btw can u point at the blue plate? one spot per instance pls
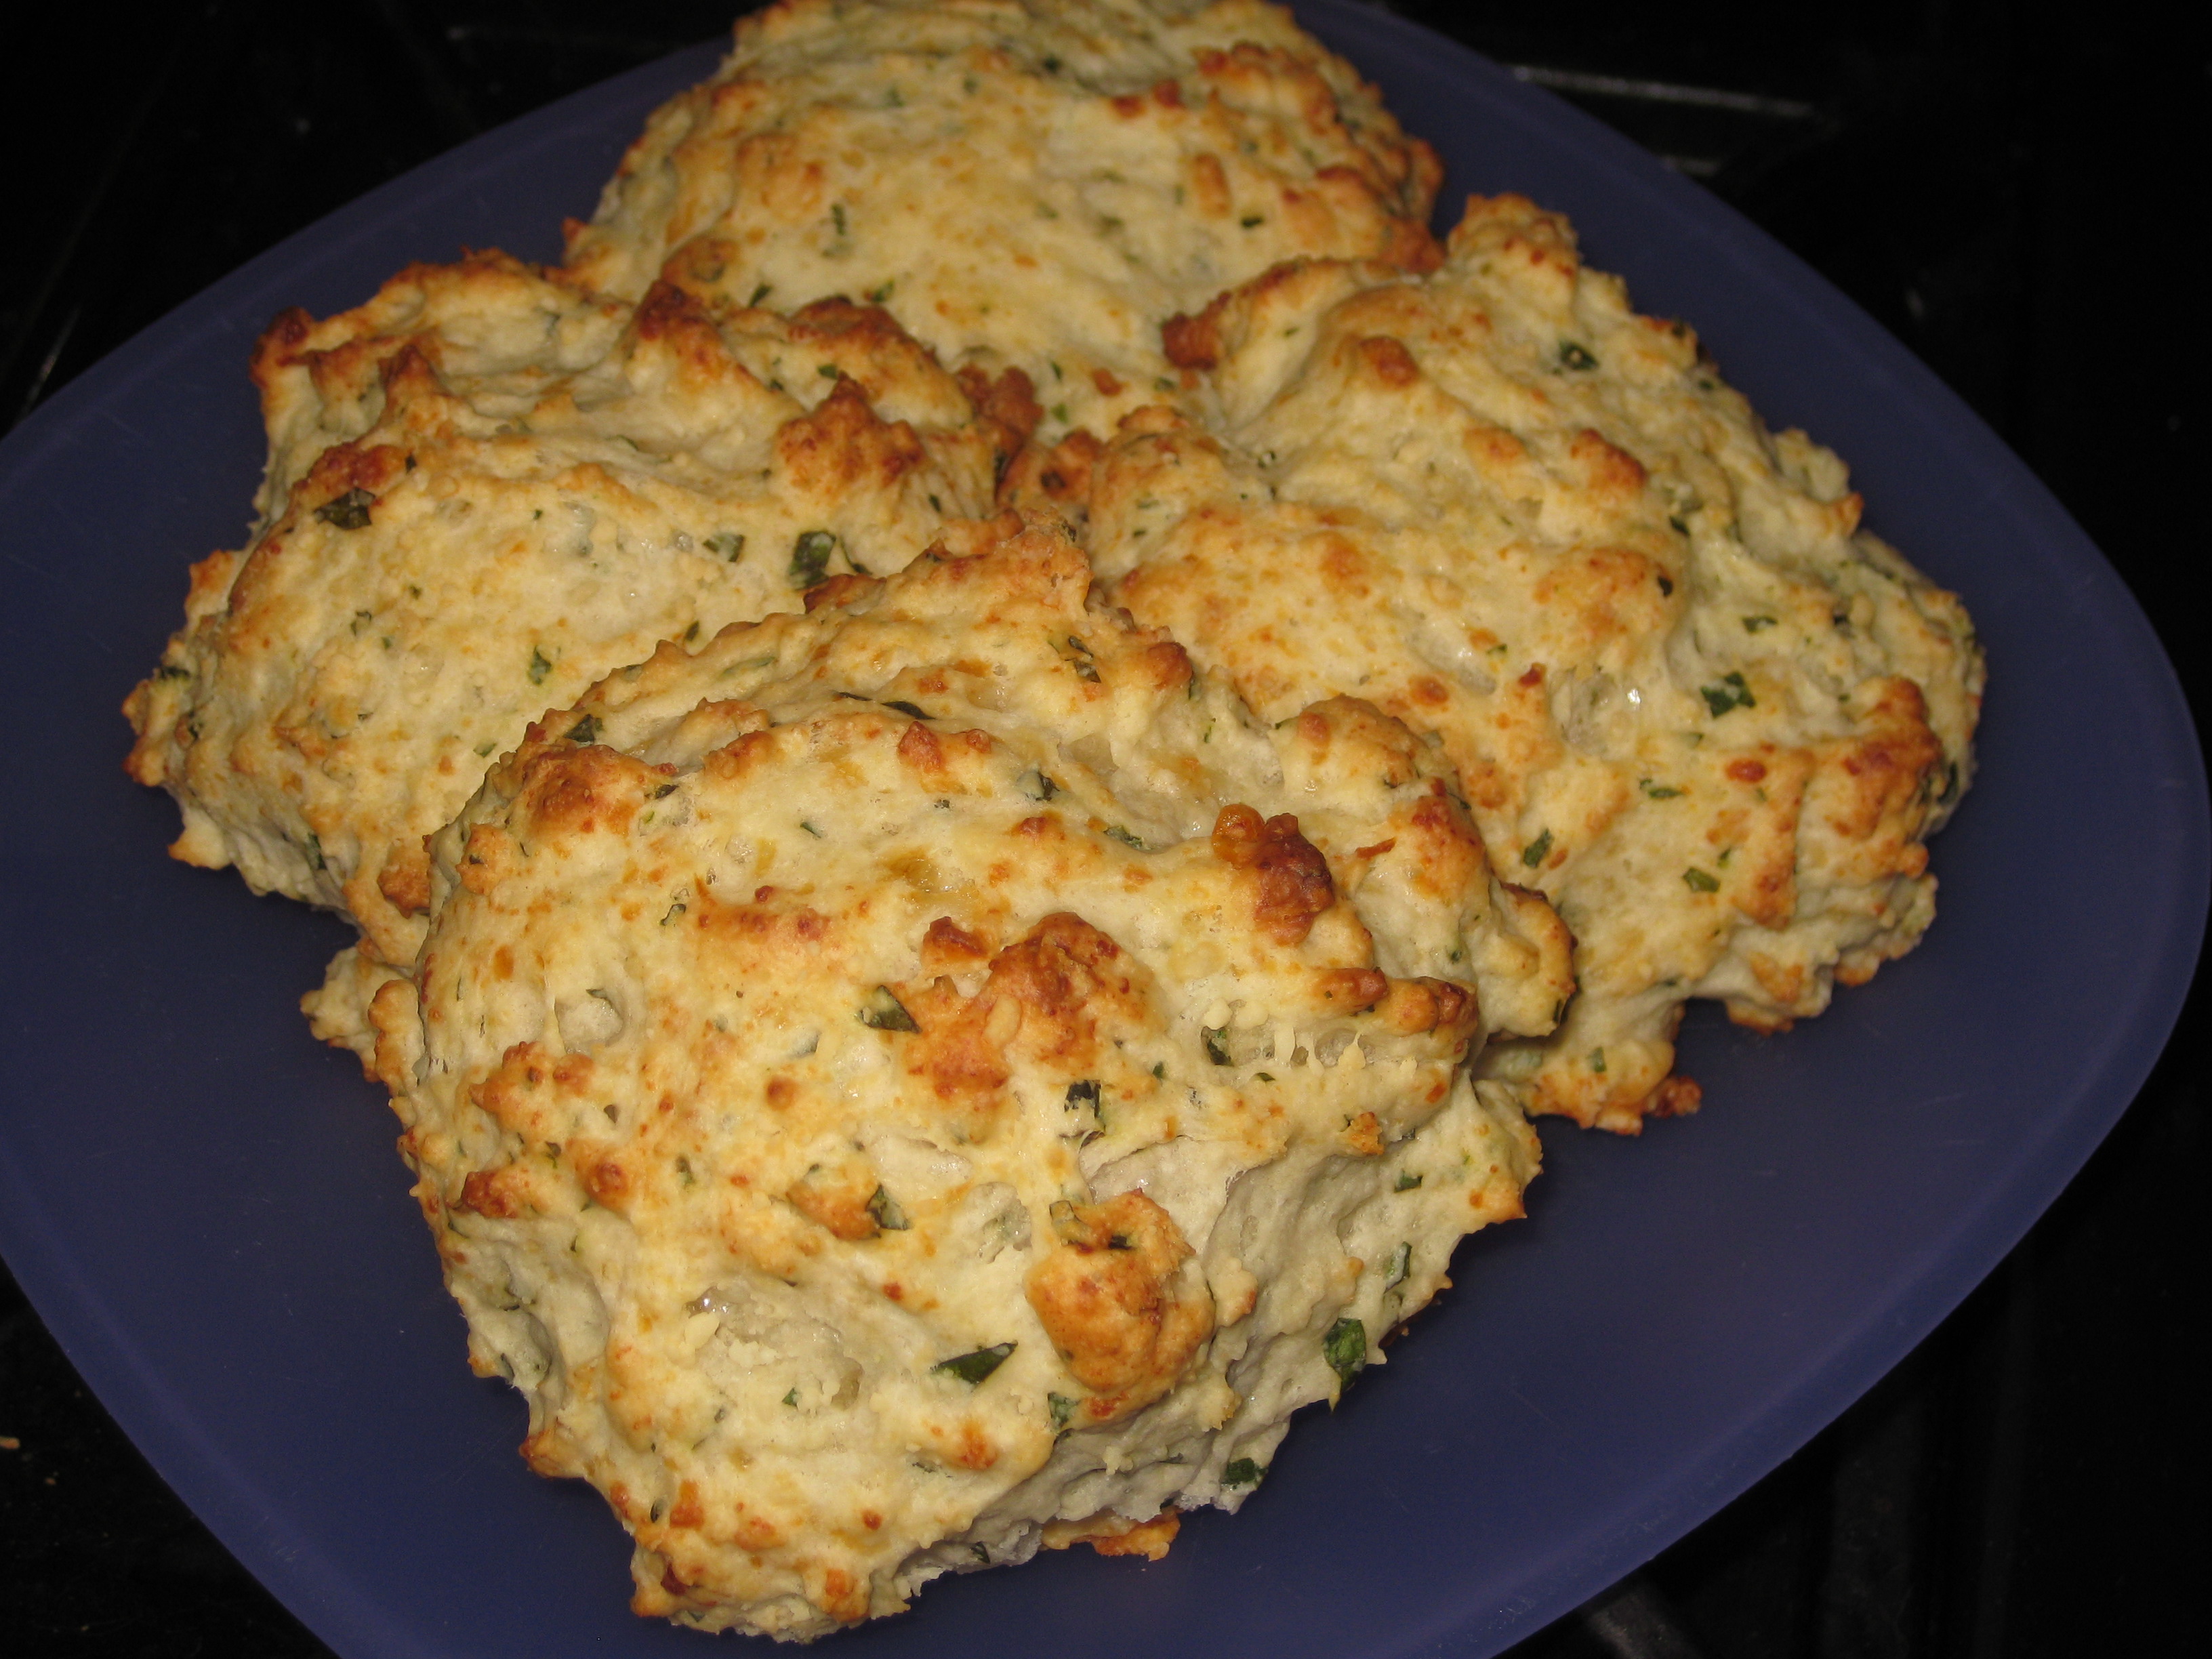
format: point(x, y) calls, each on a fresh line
point(206, 1208)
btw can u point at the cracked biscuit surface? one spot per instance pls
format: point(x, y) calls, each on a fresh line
point(1689, 698)
point(930, 1077)
point(1025, 184)
point(487, 488)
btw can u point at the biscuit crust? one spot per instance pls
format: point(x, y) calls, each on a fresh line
point(1028, 186)
point(1690, 700)
point(896, 1087)
point(487, 488)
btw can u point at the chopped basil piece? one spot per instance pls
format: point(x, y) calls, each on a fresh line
point(1574, 357)
point(1059, 414)
point(792, 1399)
point(759, 294)
point(1401, 1266)
point(1597, 1062)
point(315, 852)
point(810, 828)
point(1679, 528)
point(838, 217)
point(1345, 1347)
point(884, 1012)
point(1700, 882)
point(1080, 662)
point(1730, 693)
point(1115, 832)
point(1657, 791)
point(1243, 1472)
point(1406, 1183)
point(877, 296)
point(1534, 853)
point(730, 544)
point(973, 1368)
point(1083, 1092)
point(1062, 1409)
point(1252, 219)
point(1036, 785)
point(827, 371)
point(585, 731)
point(914, 710)
point(885, 1211)
point(1752, 624)
point(169, 670)
point(1216, 1048)
point(540, 668)
point(810, 557)
point(347, 512)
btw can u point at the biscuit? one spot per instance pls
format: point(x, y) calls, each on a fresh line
point(908, 1084)
point(1690, 700)
point(1027, 185)
point(487, 488)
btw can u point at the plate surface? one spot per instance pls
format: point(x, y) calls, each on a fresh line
point(206, 1207)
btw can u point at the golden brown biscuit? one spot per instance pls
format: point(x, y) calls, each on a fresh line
point(931, 1078)
point(487, 488)
point(1689, 699)
point(1025, 184)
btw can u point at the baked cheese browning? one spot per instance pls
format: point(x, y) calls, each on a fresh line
point(869, 1093)
point(1687, 697)
point(1022, 184)
point(487, 488)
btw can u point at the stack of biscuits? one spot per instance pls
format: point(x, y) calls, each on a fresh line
point(988, 755)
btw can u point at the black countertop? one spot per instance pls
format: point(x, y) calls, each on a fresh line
point(2003, 185)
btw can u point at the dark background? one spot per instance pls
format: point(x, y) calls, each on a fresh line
point(2010, 188)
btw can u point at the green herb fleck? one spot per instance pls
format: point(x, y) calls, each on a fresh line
point(1700, 882)
point(1401, 1266)
point(827, 371)
point(1597, 1062)
point(1216, 1047)
point(540, 668)
point(759, 294)
point(1674, 521)
point(1345, 1347)
point(684, 1168)
point(792, 1399)
point(347, 512)
point(315, 852)
point(1115, 832)
point(1243, 1472)
point(1574, 357)
point(973, 1367)
point(1730, 693)
point(914, 710)
point(585, 731)
point(838, 217)
point(885, 1211)
point(1051, 65)
point(877, 296)
point(1406, 1183)
point(1535, 852)
point(1657, 791)
point(1062, 1409)
point(883, 1011)
point(1083, 1092)
point(1080, 662)
point(1252, 219)
point(1059, 414)
point(810, 557)
point(1036, 785)
point(1752, 624)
